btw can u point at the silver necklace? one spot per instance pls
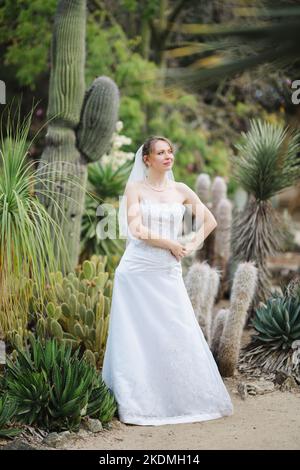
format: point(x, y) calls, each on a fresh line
point(155, 189)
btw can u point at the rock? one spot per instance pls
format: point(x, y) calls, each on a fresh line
point(56, 440)
point(289, 384)
point(92, 425)
point(18, 444)
point(81, 433)
point(281, 376)
point(242, 390)
point(258, 387)
point(107, 425)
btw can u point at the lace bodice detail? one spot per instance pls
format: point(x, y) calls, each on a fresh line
point(164, 219)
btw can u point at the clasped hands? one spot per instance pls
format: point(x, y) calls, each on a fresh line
point(179, 249)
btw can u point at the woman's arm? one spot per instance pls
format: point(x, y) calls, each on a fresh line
point(134, 219)
point(204, 218)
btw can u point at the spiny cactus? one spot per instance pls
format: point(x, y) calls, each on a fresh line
point(217, 329)
point(213, 196)
point(17, 338)
point(218, 192)
point(192, 281)
point(81, 126)
point(202, 284)
point(202, 188)
point(222, 241)
point(77, 309)
point(242, 293)
point(223, 218)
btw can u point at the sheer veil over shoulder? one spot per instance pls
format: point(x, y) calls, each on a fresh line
point(157, 361)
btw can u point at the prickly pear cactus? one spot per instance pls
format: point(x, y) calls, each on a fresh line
point(77, 309)
point(81, 126)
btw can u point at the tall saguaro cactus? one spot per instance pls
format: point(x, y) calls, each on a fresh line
point(81, 124)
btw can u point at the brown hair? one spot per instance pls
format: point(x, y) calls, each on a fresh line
point(149, 144)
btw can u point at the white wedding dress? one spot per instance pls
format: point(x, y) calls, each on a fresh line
point(157, 361)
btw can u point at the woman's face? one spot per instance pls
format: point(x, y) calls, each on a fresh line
point(161, 157)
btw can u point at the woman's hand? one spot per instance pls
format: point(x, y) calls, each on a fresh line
point(177, 249)
point(188, 242)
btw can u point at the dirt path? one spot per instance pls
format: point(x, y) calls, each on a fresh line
point(268, 421)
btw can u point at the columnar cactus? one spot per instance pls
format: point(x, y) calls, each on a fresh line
point(202, 187)
point(217, 330)
point(81, 127)
point(192, 280)
point(243, 289)
point(223, 232)
point(211, 195)
point(77, 308)
point(222, 241)
point(218, 192)
point(202, 284)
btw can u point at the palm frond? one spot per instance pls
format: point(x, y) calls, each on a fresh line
point(270, 36)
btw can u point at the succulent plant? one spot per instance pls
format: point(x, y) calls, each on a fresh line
point(8, 409)
point(278, 322)
point(267, 164)
point(274, 345)
point(243, 289)
point(202, 284)
point(54, 388)
point(217, 329)
point(76, 308)
point(202, 187)
point(82, 122)
point(216, 249)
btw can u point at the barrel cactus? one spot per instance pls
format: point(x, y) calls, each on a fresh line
point(81, 124)
point(76, 310)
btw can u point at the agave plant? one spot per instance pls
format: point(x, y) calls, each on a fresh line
point(277, 325)
point(278, 322)
point(267, 163)
point(8, 409)
point(27, 232)
point(106, 181)
point(54, 388)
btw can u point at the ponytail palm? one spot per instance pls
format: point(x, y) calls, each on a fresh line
point(27, 232)
point(267, 163)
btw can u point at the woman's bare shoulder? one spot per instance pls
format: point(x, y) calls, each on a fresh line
point(132, 185)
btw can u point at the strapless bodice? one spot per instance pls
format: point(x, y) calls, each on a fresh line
point(164, 219)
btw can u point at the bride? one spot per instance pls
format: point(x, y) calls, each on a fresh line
point(157, 361)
